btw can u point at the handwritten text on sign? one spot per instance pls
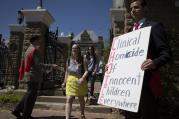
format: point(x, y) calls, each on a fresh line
point(123, 81)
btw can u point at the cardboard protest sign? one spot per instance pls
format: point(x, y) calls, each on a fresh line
point(122, 82)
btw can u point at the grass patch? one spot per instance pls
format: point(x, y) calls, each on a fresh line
point(9, 98)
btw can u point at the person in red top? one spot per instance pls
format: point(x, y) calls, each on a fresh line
point(31, 72)
point(158, 55)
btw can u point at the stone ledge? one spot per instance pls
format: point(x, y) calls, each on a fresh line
point(75, 107)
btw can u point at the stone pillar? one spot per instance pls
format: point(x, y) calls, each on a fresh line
point(117, 18)
point(15, 50)
point(128, 23)
point(37, 23)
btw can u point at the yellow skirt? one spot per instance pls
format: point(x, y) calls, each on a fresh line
point(73, 88)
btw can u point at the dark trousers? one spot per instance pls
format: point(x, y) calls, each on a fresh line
point(91, 79)
point(100, 77)
point(27, 102)
point(147, 107)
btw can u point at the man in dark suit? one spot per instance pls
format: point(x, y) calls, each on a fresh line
point(158, 55)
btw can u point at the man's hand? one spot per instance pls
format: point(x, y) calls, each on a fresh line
point(148, 64)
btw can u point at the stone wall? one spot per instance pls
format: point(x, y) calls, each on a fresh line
point(15, 51)
point(32, 29)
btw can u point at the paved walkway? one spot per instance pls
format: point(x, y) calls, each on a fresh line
point(52, 114)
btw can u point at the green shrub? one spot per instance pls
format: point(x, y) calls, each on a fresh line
point(9, 98)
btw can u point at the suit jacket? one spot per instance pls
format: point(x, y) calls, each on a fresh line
point(36, 68)
point(159, 52)
point(26, 63)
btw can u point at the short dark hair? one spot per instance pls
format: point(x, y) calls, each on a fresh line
point(143, 2)
point(34, 38)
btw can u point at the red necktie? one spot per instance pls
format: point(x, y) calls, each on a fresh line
point(136, 26)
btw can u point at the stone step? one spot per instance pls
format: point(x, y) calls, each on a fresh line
point(75, 107)
point(49, 92)
point(62, 99)
point(58, 92)
point(54, 99)
point(58, 103)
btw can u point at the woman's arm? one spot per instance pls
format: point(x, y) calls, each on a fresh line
point(85, 69)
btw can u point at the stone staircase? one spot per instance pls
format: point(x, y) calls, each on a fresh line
point(55, 100)
point(58, 103)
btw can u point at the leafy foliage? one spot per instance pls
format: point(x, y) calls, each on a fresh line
point(9, 97)
point(169, 102)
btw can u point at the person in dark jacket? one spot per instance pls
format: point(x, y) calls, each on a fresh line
point(31, 72)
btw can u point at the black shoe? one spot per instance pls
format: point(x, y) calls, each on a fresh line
point(16, 113)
